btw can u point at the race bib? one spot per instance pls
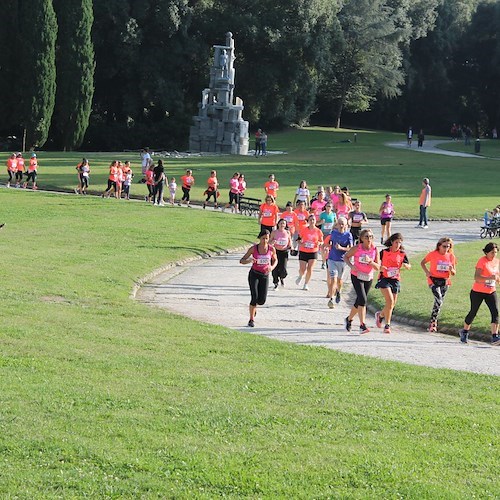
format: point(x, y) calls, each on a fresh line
point(266, 213)
point(364, 259)
point(365, 276)
point(392, 272)
point(442, 267)
point(309, 244)
point(490, 283)
point(282, 242)
point(327, 226)
point(263, 261)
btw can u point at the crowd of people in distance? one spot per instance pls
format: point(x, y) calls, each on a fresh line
point(17, 169)
point(328, 225)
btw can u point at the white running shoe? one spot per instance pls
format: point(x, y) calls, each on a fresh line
point(298, 280)
point(305, 287)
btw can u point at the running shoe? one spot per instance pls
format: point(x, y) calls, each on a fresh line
point(464, 335)
point(348, 324)
point(387, 329)
point(204, 206)
point(322, 265)
point(363, 328)
point(305, 287)
point(382, 241)
point(337, 298)
point(276, 286)
point(298, 280)
point(495, 340)
point(378, 319)
point(76, 190)
point(282, 282)
point(251, 323)
point(433, 327)
point(425, 226)
point(330, 304)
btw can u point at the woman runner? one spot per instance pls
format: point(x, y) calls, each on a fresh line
point(282, 241)
point(392, 259)
point(263, 259)
point(486, 279)
point(365, 260)
point(442, 265)
point(310, 240)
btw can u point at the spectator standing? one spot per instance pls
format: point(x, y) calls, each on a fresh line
point(258, 146)
point(145, 162)
point(425, 203)
point(263, 143)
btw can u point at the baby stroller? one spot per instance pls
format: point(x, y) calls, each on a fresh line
point(490, 228)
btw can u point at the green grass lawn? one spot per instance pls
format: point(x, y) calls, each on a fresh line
point(489, 148)
point(104, 397)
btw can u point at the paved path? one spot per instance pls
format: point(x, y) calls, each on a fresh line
point(430, 147)
point(215, 291)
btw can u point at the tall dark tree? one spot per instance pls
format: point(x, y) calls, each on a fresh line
point(37, 41)
point(9, 70)
point(75, 73)
point(365, 60)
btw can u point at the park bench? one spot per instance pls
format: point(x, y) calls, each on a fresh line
point(250, 206)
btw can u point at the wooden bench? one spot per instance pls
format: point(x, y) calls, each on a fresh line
point(250, 206)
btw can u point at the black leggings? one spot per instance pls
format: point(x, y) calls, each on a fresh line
point(158, 193)
point(476, 299)
point(280, 272)
point(361, 288)
point(258, 283)
point(211, 194)
point(185, 196)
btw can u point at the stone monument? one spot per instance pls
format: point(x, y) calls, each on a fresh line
point(219, 126)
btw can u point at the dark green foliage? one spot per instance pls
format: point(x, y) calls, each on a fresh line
point(37, 39)
point(75, 73)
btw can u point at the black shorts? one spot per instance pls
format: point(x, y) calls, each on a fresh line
point(391, 283)
point(305, 256)
point(383, 222)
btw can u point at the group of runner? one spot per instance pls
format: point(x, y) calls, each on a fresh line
point(17, 168)
point(329, 226)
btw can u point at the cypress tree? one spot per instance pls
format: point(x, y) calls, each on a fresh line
point(37, 41)
point(75, 72)
point(8, 67)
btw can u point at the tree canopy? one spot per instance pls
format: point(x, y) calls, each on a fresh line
point(127, 73)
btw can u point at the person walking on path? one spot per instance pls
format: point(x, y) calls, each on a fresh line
point(339, 242)
point(272, 186)
point(263, 143)
point(409, 136)
point(212, 190)
point(234, 193)
point(310, 241)
point(268, 214)
point(425, 202)
point(442, 265)
point(282, 241)
point(363, 259)
point(187, 183)
point(421, 138)
point(392, 260)
point(386, 212)
point(159, 183)
point(11, 168)
point(32, 173)
point(486, 279)
point(262, 256)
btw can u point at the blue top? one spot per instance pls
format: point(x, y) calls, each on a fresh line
point(344, 240)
